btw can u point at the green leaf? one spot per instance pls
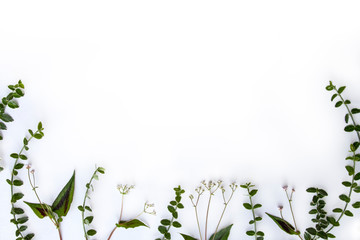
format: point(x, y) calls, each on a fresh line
point(253, 192)
point(6, 117)
point(16, 196)
point(311, 190)
point(13, 104)
point(22, 220)
point(257, 205)
point(283, 224)
point(322, 234)
point(131, 224)
point(341, 89)
point(2, 126)
point(40, 211)
point(63, 201)
point(165, 222)
point(337, 210)
point(223, 234)
point(350, 170)
point(176, 224)
point(162, 229)
point(349, 128)
point(29, 236)
point(355, 110)
point(88, 219)
point(338, 104)
point(356, 205)
point(250, 233)
point(333, 96)
point(347, 118)
point(18, 182)
point(187, 237)
point(91, 232)
point(247, 206)
point(101, 170)
point(344, 198)
point(348, 213)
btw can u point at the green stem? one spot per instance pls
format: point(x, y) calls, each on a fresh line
point(84, 203)
point(207, 215)
point(222, 214)
point(12, 185)
point(253, 213)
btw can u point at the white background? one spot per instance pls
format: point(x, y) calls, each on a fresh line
point(162, 93)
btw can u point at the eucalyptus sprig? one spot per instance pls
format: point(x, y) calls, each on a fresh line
point(61, 205)
point(15, 181)
point(86, 208)
point(17, 91)
point(166, 224)
point(133, 222)
point(258, 235)
point(211, 187)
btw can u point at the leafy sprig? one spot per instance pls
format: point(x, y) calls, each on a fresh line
point(258, 235)
point(321, 219)
point(166, 224)
point(15, 181)
point(86, 208)
point(17, 91)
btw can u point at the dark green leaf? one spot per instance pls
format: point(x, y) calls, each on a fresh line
point(344, 198)
point(63, 201)
point(6, 117)
point(91, 232)
point(17, 210)
point(253, 192)
point(341, 89)
point(349, 128)
point(162, 229)
point(16, 196)
point(333, 96)
point(347, 118)
point(19, 166)
point(322, 235)
point(223, 234)
point(350, 170)
point(13, 104)
point(250, 233)
point(338, 104)
point(22, 220)
point(356, 205)
point(311, 190)
point(165, 222)
point(284, 225)
point(2, 126)
point(257, 206)
point(88, 219)
point(40, 210)
point(131, 224)
point(337, 210)
point(187, 237)
point(29, 236)
point(355, 110)
point(176, 224)
point(348, 213)
point(18, 182)
point(247, 206)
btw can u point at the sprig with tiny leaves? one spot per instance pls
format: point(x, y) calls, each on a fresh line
point(17, 91)
point(354, 158)
point(321, 219)
point(258, 235)
point(134, 222)
point(84, 207)
point(15, 181)
point(166, 224)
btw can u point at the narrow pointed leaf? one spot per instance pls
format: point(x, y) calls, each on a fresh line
point(187, 237)
point(131, 224)
point(223, 234)
point(39, 210)
point(63, 201)
point(283, 224)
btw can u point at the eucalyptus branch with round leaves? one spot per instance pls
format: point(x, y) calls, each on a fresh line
point(258, 235)
point(134, 222)
point(15, 181)
point(86, 208)
point(211, 187)
point(166, 224)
